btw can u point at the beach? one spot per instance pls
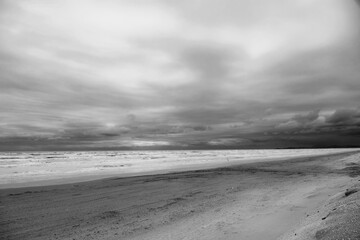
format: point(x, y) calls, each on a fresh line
point(26, 169)
point(306, 197)
point(179, 120)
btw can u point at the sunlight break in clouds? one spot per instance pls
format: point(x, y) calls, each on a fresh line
point(178, 74)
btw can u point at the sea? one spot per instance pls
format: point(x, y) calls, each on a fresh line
point(18, 169)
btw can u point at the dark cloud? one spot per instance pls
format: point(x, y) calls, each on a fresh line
point(211, 66)
point(328, 74)
point(345, 116)
point(306, 118)
point(357, 1)
point(244, 74)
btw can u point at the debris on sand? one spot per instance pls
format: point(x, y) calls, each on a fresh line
point(348, 192)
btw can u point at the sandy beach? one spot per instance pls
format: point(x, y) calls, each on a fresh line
point(179, 120)
point(301, 198)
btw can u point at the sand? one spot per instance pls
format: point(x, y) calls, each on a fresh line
point(302, 198)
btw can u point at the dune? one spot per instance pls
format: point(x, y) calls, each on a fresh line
point(301, 198)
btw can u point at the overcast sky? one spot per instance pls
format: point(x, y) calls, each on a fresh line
point(169, 74)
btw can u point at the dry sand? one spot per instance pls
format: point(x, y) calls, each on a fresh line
point(304, 198)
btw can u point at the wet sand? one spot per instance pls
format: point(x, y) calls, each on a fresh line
point(302, 198)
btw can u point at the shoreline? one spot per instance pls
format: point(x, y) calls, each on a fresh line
point(207, 166)
point(246, 201)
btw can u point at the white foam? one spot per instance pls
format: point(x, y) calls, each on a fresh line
point(23, 167)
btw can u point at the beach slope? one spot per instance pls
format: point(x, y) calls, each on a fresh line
point(301, 198)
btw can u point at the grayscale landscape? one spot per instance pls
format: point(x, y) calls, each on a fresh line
point(179, 120)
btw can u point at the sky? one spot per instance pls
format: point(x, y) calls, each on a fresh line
point(190, 74)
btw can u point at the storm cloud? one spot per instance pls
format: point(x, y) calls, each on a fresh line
point(179, 74)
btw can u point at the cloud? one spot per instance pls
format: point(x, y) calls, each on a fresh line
point(229, 142)
point(357, 1)
point(344, 116)
point(298, 121)
point(122, 74)
point(306, 118)
point(211, 63)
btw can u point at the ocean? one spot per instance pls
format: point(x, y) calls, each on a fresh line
point(39, 168)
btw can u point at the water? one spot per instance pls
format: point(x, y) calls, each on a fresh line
point(24, 168)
